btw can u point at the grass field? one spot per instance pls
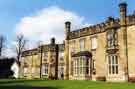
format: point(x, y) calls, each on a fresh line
point(61, 84)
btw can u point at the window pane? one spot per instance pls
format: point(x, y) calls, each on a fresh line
point(109, 58)
point(109, 69)
point(113, 64)
point(82, 44)
point(111, 38)
point(73, 46)
point(116, 60)
point(113, 69)
point(113, 60)
point(116, 69)
point(94, 42)
point(93, 64)
point(25, 70)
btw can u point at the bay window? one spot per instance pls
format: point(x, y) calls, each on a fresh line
point(81, 66)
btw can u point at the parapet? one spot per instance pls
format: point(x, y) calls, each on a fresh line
point(95, 29)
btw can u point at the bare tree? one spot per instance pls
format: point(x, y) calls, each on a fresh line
point(2, 44)
point(20, 45)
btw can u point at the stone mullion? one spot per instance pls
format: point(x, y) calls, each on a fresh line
point(79, 66)
point(82, 67)
point(73, 67)
point(49, 67)
point(89, 66)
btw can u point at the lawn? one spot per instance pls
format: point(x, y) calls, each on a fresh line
point(61, 84)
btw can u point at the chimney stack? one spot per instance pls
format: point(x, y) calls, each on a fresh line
point(67, 28)
point(123, 13)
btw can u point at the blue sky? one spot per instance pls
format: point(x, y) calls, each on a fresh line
point(94, 11)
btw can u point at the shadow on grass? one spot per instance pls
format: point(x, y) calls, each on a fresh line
point(18, 81)
point(28, 87)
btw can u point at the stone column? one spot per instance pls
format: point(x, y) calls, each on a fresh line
point(124, 48)
point(66, 54)
point(49, 67)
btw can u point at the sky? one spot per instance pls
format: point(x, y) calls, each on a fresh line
point(39, 20)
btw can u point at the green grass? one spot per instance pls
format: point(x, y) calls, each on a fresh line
point(61, 84)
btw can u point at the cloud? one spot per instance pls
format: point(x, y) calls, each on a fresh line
point(47, 23)
point(9, 52)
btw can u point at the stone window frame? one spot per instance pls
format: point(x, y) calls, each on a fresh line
point(113, 39)
point(93, 66)
point(80, 66)
point(92, 37)
point(61, 67)
point(73, 47)
point(84, 42)
point(33, 70)
point(45, 69)
point(45, 56)
point(61, 56)
point(26, 71)
point(113, 64)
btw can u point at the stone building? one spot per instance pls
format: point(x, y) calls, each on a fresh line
point(46, 61)
point(102, 51)
point(105, 51)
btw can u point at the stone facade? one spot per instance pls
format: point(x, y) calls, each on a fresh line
point(100, 52)
point(46, 61)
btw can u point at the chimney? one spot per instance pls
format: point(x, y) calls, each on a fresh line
point(53, 40)
point(67, 28)
point(123, 13)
